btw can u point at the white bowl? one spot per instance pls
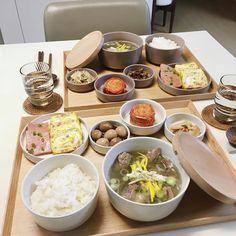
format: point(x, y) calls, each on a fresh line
point(103, 149)
point(183, 116)
point(160, 116)
point(69, 221)
point(140, 211)
point(46, 118)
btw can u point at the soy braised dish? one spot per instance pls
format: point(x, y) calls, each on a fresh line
point(105, 134)
point(109, 134)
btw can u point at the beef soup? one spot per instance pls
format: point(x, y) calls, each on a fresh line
point(145, 177)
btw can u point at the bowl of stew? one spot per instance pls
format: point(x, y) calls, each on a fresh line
point(120, 49)
point(144, 179)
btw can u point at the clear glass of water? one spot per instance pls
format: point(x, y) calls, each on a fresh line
point(38, 82)
point(225, 100)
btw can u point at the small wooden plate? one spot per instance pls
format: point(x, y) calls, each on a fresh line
point(52, 107)
point(85, 50)
point(209, 171)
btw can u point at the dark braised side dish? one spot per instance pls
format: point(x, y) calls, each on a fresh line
point(139, 74)
point(107, 134)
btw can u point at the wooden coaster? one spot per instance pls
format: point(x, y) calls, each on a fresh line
point(52, 107)
point(207, 115)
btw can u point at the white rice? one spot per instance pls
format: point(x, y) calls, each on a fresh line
point(62, 191)
point(163, 43)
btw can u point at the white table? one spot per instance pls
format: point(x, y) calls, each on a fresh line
point(211, 54)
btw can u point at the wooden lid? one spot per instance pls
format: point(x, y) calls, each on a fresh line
point(85, 50)
point(209, 171)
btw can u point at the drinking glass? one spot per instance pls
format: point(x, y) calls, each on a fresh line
point(225, 100)
point(38, 82)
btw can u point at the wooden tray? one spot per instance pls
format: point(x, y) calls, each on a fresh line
point(196, 208)
point(74, 101)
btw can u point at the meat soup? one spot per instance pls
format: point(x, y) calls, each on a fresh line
point(119, 46)
point(145, 177)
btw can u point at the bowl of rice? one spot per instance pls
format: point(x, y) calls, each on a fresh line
point(163, 48)
point(61, 192)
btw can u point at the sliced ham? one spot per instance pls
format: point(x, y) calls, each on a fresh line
point(37, 139)
point(169, 76)
point(166, 68)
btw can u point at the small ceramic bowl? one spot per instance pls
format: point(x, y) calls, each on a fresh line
point(119, 60)
point(231, 135)
point(68, 221)
point(81, 88)
point(165, 56)
point(140, 83)
point(141, 211)
point(100, 148)
point(183, 116)
point(160, 116)
point(99, 86)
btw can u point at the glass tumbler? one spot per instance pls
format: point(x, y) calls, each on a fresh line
point(225, 100)
point(38, 83)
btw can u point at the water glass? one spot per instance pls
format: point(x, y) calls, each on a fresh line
point(225, 100)
point(38, 83)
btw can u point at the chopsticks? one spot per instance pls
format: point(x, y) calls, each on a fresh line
point(39, 66)
point(40, 56)
point(50, 60)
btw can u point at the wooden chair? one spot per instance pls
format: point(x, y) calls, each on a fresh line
point(165, 8)
point(74, 19)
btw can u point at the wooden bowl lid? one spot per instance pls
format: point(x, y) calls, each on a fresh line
point(212, 173)
point(85, 50)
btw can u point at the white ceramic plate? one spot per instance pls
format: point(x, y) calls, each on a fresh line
point(44, 119)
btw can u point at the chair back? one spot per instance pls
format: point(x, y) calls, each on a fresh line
point(74, 19)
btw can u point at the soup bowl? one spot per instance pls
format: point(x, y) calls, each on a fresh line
point(119, 60)
point(140, 211)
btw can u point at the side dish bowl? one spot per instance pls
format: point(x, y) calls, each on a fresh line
point(65, 222)
point(160, 116)
point(106, 97)
point(140, 83)
point(165, 56)
point(140, 211)
point(119, 60)
point(83, 87)
point(104, 149)
point(46, 118)
point(180, 116)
